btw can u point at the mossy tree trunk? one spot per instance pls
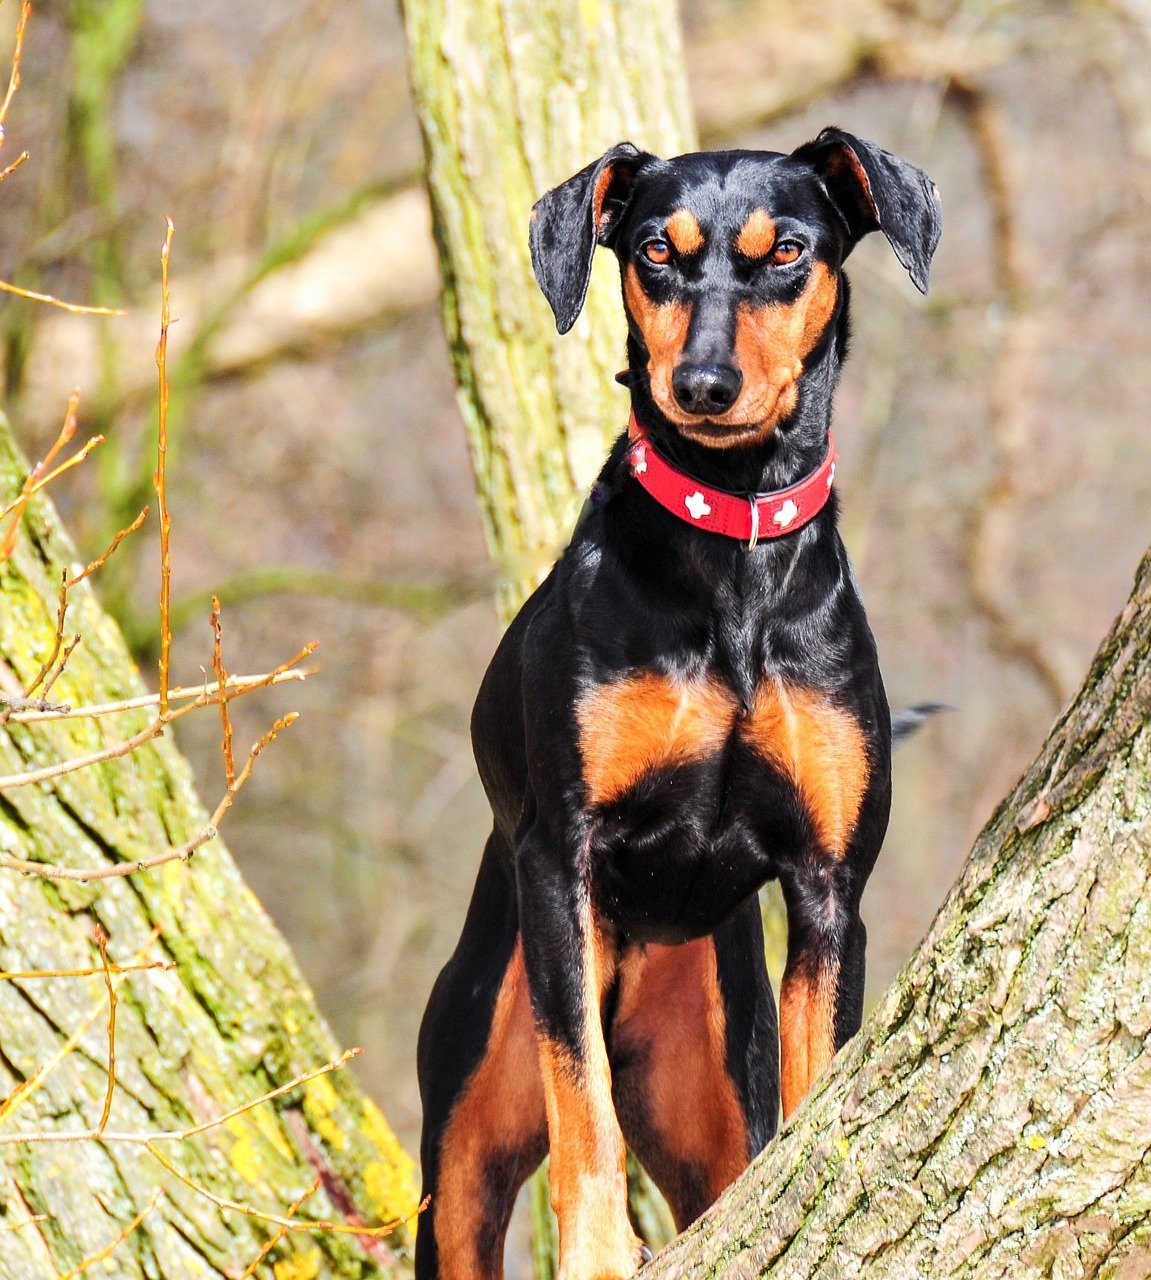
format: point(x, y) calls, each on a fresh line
point(513, 97)
point(993, 1117)
point(231, 1021)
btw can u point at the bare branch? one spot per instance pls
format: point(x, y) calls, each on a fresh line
point(222, 683)
point(161, 475)
point(76, 308)
point(273, 1241)
point(102, 560)
point(17, 54)
point(181, 1135)
point(154, 730)
point(35, 712)
point(102, 943)
point(178, 853)
point(285, 1223)
point(110, 1248)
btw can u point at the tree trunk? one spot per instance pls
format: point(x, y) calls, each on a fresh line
point(993, 1117)
point(230, 1022)
point(513, 98)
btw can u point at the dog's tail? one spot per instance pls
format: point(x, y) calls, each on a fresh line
point(907, 720)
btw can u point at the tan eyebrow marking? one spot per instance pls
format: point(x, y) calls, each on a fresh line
point(757, 235)
point(684, 233)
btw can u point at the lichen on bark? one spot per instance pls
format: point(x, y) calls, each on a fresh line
point(232, 1020)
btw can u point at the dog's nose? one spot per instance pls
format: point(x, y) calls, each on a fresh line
point(706, 388)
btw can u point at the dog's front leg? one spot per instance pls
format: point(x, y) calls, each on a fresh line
point(570, 963)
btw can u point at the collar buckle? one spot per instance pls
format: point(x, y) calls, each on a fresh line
point(753, 541)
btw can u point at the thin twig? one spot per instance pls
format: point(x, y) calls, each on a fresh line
point(57, 640)
point(25, 1222)
point(11, 169)
point(102, 560)
point(17, 54)
point(222, 684)
point(26, 1088)
point(181, 1135)
point(23, 975)
point(19, 706)
point(102, 943)
point(160, 478)
point(35, 713)
point(76, 308)
point(180, 852)
point(128, 745)
point(273, 1241)
point(109, 1249)
point(16, 507)
point(287, 1223)
point(69, 650)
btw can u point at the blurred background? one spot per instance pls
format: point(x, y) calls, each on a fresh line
point(995, 475)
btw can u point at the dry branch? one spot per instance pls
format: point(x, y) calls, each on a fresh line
point(30, 777)
point(17, 57)
point(102, 943)
point(178, 853)
point(35, 713)
point(162, 474)
point(35, 1137)
point(285, 1223)
point(110, 1248)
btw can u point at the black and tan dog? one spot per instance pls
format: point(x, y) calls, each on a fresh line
point(689, 706)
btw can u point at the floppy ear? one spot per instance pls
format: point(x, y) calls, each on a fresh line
point(571, 219)
point(876, 191)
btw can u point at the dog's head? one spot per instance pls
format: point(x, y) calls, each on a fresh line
point(731, 264)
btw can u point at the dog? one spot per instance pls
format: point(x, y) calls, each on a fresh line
point(690, 705)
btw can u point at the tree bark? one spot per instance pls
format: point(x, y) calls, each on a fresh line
point(230, 1022)
point(513, 98)
point(993, 1117)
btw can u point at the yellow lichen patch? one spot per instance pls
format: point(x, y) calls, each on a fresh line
point(331, 1133)
point(244, 1156)
point(1037, 1142)
point(400, 1186)
point(320, 1098)
point(173, 883)
point(265, 1122)
point(305, 1266)
point(842, 1146)
point(389, 1189)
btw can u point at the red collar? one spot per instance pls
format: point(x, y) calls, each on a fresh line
point(749, 517)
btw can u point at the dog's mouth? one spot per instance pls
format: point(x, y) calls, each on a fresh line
point(724, 434)
point(749, 421)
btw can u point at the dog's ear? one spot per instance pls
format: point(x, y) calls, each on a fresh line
point(571, 219)
point(876, 191)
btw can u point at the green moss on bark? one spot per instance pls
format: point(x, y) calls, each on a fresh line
point(233, 1019)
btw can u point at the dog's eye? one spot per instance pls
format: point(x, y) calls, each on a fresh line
point(657, 251)
point(784, 252)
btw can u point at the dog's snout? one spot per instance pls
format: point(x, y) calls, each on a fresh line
point(706, 388)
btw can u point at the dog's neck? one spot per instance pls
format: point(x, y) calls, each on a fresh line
point(789, 453)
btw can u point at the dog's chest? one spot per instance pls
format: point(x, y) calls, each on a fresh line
point(648, 727)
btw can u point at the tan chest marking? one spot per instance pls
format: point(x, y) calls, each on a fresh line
point(645, 721)
point(821, 748)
